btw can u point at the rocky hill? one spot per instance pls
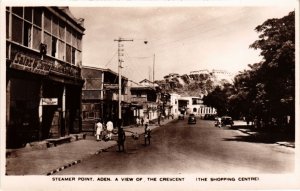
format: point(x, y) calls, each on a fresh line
point(191, 85)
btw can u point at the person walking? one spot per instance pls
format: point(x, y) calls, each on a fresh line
point(142, 121)
point(121, 139)
point(137, 121)
point(147, 135)
point(109, 128)
point(99, 129)
point(147, 132)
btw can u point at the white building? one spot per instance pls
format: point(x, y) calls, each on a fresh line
point(195, 105)
point(174, 104)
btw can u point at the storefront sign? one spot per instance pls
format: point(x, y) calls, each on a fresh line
point(49, 101)
point(27, 63)
point(43, 67)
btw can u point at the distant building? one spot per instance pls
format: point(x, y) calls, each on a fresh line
point(43, 73)
point(222, 75)
point(146, 100)
point(194, 105)
point(200, 72)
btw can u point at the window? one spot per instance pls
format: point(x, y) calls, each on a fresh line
point(36, 38)
point(79, 42)
point(47, 22)
point(54, 47)
point(7, 25)
point(47, 40)
point(17, 28)
point(61, 30)
point(78, 58)
point(37, 17)
point(194, 109)
point(73, 55)
point(68, 37)
point(55, 26)
point(68, 53)
point(18, 11)
point(61, 50)
point(28, 14)
point(74, 43)
point(27, 34)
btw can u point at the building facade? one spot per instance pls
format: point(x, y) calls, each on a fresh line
point(43, 79)
point(100, 97)
point(194, 105)
point(145, 98)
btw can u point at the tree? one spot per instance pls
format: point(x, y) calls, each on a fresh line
point(277, 70)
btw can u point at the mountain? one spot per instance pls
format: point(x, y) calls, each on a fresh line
point(191, 85)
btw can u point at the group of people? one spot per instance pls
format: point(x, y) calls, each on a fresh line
point(104, 131)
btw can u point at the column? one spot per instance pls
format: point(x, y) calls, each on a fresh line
point(41, 112)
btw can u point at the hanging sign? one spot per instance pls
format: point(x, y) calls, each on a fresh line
point(49, 101)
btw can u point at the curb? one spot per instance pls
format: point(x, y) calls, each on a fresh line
point(64, 167)
point(285, 145)
point(75, 162)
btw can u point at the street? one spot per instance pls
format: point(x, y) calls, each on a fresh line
point(180, 148)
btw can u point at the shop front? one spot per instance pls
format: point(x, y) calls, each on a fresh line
point(42, 102)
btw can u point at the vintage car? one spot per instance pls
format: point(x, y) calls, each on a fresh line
point(226, 120)
point(192, 119)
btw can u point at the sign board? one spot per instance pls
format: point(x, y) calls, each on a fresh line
point(27, 63)
point(49, 101)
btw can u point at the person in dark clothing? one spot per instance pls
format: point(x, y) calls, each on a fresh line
point(147, 135)
point(121, 139)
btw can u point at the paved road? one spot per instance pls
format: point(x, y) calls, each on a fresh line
point(179, 148)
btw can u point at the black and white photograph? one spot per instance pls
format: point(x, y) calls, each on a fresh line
point(149, 95)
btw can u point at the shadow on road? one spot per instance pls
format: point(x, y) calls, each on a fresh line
point(261, 136)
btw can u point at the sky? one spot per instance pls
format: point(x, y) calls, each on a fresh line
point(182, 38)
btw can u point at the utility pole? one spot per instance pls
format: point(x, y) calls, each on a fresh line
point(120, 60)
point(153, 67)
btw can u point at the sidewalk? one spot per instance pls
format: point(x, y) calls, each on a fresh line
point(48, 161)
point(242, 126)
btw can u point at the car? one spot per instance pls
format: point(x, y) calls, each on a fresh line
point(209, 116)
point(192, 119)
point(226, 120)
point(181, 117)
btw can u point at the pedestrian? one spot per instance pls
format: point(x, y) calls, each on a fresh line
point(147, 135)
point(98, 129)
point(121, 139)
point(109, 128)
point(142, 121)
point(219, 122)
point(137, 121)
point(146, 122)
point(158, 120)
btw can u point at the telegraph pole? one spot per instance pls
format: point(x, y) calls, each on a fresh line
point(120, 60)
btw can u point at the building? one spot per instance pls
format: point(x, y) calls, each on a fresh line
point(145, 99)
point(174, 109)
point(43, 79)
point(100, 97)
point(194, 105)
point(222, 75)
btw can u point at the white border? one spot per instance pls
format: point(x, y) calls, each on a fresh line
point(267, 181)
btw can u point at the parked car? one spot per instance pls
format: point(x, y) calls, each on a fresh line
point(209, 116)
point(226, 120)
point(192, 119)
point(180, 116)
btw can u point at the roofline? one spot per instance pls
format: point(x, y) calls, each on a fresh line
point(103, 69)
